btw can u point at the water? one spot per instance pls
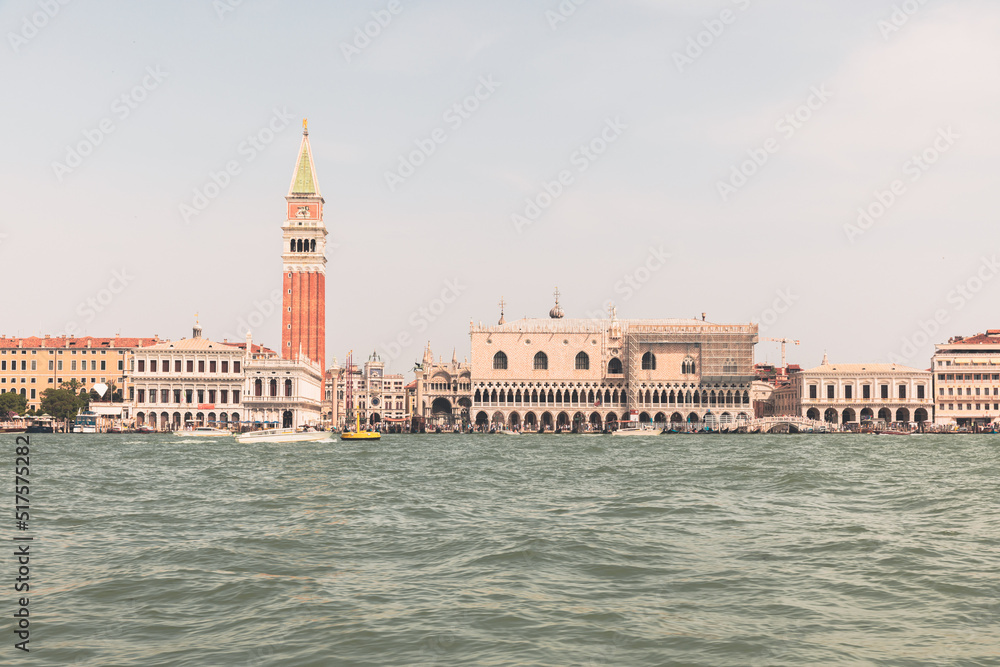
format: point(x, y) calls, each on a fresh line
point(531, 550)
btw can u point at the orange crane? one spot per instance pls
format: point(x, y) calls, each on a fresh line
point(783, 341)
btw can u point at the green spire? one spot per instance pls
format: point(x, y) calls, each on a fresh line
point(304, 180)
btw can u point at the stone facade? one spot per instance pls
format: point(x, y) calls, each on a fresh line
point(852, 393)
point(967, 380)
point(379, 396)
point(443, 392)
point(565, 373)
point(190, 382)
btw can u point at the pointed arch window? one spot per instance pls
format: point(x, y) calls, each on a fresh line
point(688, 366)
point(649, 362)
point(729, 367)
point(500, 361)
point(541, 362)
point(615, 366)
point(582, 362)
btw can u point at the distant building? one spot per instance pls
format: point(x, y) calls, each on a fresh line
point(853, 393)
point(560, 372)
point(190, 381)
point(967, 379)
point(380, 397)
point(31, 365)
point(443, 392)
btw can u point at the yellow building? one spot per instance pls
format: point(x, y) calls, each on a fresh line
point(31, 365)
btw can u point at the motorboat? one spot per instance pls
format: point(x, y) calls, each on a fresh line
point(282, 435)
point(637, 430)
point(204, 432)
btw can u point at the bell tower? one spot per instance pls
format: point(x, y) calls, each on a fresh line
point(303, 311)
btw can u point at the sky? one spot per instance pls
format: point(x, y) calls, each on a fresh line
point(824, 169)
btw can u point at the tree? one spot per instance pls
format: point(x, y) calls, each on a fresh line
point(12, 403)
point(73, 385)
point(84, 399)
point(60, 403)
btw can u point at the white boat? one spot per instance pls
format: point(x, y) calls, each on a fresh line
point(507, 431)
point(203, 432)
point(282, 435)
point(85, 423)
point(637, 430)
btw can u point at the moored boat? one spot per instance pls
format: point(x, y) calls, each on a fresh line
point(282, 435)
point(204, 432)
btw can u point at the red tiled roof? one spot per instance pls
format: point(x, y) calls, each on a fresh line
point(254, 349)
point(35, 342)
point(981, 339)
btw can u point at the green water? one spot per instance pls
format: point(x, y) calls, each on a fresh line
point(531, 550)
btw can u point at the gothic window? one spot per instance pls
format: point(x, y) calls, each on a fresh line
point(688, 366)
point(648, 362)
point(582, 362)
point(615, 366)
point(499, 361)
point(541, 362)
point(729, 367)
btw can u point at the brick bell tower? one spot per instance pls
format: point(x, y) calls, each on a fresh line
point(303, 316)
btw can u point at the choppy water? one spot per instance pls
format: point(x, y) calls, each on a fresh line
point(531, 550)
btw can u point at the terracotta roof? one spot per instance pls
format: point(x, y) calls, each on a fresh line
point(837, 369)
point(36, 342)
point(980, 339)
point(254, 349)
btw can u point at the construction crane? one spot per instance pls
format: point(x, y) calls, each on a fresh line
point(783, 341)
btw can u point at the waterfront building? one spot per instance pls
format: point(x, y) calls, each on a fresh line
point(279, 392)
point(379, 396)
point(853, 393)
point(190, 381)
point(967, 379)
point(303, 312)
point(33, 364)
point(561, 372)
point(443, 392)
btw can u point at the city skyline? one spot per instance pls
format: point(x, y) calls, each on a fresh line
point(622, 126)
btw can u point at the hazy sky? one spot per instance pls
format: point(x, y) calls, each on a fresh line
point(116, 114)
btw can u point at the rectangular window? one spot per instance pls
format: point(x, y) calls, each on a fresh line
point(211, 396)
point(152, 365)
point(152, 396)
point(93, 364)
point(920, 391)
point(236, 395)
point(211, 368)
point(223, 394)
point(32, 393)
point(812, 391)
point(142, 365)
point(177, 368)
point(225, 366)
point(848, 392)
point(236, 369)
point(190, 366)
point(141, 396)
point(884, 388)
point(164, 396)
point(104, 365)
point(177, 395)
point(830, 391)
point(24, 365)
point(3, 365)
point(201, 365)
point(52, 365)
point(121, 365)
point(59, 365)
point(34, 365)
point(201, 396)
point(166, 366)
point(188, 395)
point(902, 391)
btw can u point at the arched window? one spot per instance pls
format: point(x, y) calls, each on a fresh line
point(258, 387)
point(273, 388)
point(541, 362)
point(291, 246)
point(299, 245)
point(688, 366)
point(615, 366)
point(582, 362)
point(499, 361)
point(312, 246)
point(288, 387)
point(729, 367)
point(648, 362)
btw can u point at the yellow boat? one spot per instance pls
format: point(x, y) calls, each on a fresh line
point(357, 433)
